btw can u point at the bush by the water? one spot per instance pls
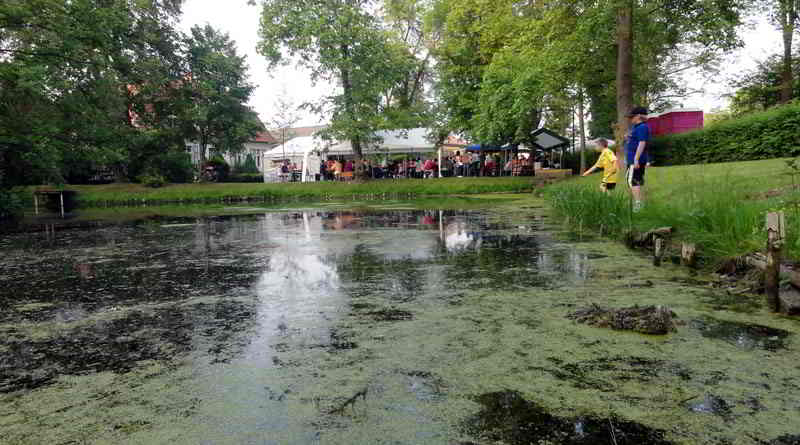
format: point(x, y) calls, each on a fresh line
point(246, 177)
point(721, 207)
point(222, 169)
point(152, 178)
point(11, 204)
point(389, 189)
point(774, 133)
point(174, 166)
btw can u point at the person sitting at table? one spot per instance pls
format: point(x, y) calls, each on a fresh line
point(348, 167)
point(507, 167)
point(428, 168)
point(489, 166)
point(517, 165)
point(337, 170)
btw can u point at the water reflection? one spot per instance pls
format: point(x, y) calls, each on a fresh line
point(253, 289)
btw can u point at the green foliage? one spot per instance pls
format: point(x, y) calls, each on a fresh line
point(696, 200)
point(222, 168)
point(342, 40)
point(760, 88)
point(175, 166)
point(123, 194)
point(248, 166)
point(151, 178)
point(246, 177)
point(214, 93)
point(768, 134)
point(503, 64)
point(65, 79)
point(11, 204)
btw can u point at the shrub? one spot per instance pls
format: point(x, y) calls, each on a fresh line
point(248, 166)
point(11, 204)
point(774, 133)
point(174, 166)
point(246, 177)
point(222, 169)
point(152, 178)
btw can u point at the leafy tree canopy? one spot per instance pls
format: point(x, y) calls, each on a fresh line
point(341, 41)
point(504, 64)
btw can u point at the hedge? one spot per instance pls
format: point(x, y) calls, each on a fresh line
point(774, 133)
point(246, 177)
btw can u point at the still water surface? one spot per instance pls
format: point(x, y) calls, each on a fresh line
point(303, 327)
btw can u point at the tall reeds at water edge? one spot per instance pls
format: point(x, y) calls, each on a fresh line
point(720, 207)
point(135, 194)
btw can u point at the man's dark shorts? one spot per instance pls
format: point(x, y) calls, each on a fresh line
point(636, 176)
point(609, 185)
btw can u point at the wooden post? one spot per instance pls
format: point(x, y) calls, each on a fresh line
point(61, 197)
point(775, 235)
point(35, 203)
point(659, 251)
point(688, 254)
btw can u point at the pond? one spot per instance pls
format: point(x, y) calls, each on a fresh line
point(374, 326)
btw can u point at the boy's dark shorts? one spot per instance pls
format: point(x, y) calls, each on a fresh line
point(609, 185)
point(636, 176)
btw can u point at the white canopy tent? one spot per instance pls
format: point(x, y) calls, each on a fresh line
point(393, 142)
point(414, 140)
point(302, 150)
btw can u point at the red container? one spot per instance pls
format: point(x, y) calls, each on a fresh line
point(675, 121)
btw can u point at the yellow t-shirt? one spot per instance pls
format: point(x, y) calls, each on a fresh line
point(608, 162)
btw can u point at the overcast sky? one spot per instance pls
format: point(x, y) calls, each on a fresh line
point(240, 21)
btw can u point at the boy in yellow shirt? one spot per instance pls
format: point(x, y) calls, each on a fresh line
point(608, 162)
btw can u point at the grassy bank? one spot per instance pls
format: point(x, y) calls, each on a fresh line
point(135, 194)
point(721, 207)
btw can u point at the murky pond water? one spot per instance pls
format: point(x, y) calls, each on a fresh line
point(373, 327)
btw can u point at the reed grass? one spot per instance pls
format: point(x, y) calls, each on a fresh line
point(720, 207)
point(135, 194)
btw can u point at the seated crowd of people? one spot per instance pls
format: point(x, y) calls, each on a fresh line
point(457, 165)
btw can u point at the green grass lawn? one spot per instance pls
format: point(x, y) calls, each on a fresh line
point(721, 207)
point(121, 194)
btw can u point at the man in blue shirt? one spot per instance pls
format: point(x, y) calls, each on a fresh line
point(636, 154)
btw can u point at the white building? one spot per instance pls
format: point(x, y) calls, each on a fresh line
point(262, 143)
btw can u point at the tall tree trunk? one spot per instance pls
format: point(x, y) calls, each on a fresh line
point(787, 18)
point(355, 141)
point(582, 125)
point(624, 73)
point(203, 146)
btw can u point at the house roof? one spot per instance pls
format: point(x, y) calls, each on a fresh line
point(545, 139)
point(264, 137)
point(296, 147)
point(298, 132)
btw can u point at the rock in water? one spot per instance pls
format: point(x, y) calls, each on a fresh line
point(642, 319)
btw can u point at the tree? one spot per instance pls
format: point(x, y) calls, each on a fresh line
point(762, 87)
point(341, 41)
point(64, 72)
point(413, 41)
point(490, 50)
point(284, 117)
point(672, 25)
point(214, 92)
point(784, 14)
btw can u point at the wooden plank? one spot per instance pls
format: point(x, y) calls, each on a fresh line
point(688, 254)
point(772, 272)
point(658, 251)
